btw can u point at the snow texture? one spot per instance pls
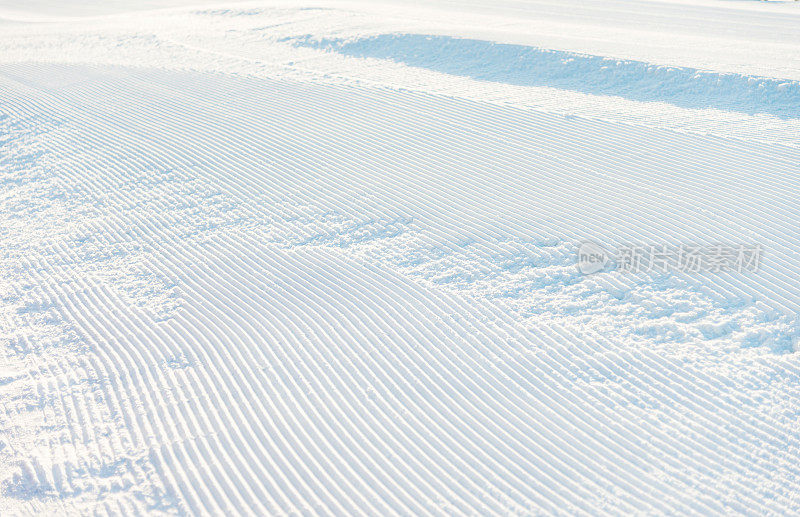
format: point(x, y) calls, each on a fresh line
point(319, 258)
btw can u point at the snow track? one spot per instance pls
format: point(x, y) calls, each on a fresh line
point(230, 294)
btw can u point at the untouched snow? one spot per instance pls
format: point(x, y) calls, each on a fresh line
point(319, 258)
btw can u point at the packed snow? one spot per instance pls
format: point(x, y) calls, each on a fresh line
point(323, 257)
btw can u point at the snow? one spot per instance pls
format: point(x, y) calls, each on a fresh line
point(320, 257)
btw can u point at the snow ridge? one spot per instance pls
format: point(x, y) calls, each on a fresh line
point(530, 66)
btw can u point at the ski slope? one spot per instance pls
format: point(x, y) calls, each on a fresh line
point(319, 258)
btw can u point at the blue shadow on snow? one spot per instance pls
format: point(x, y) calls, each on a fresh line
point(531, 66)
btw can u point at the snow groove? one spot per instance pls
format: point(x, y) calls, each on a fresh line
point(270, 297)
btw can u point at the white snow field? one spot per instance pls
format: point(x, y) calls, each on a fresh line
point(320, 257)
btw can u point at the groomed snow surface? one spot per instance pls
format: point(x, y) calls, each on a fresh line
point(319, 258)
